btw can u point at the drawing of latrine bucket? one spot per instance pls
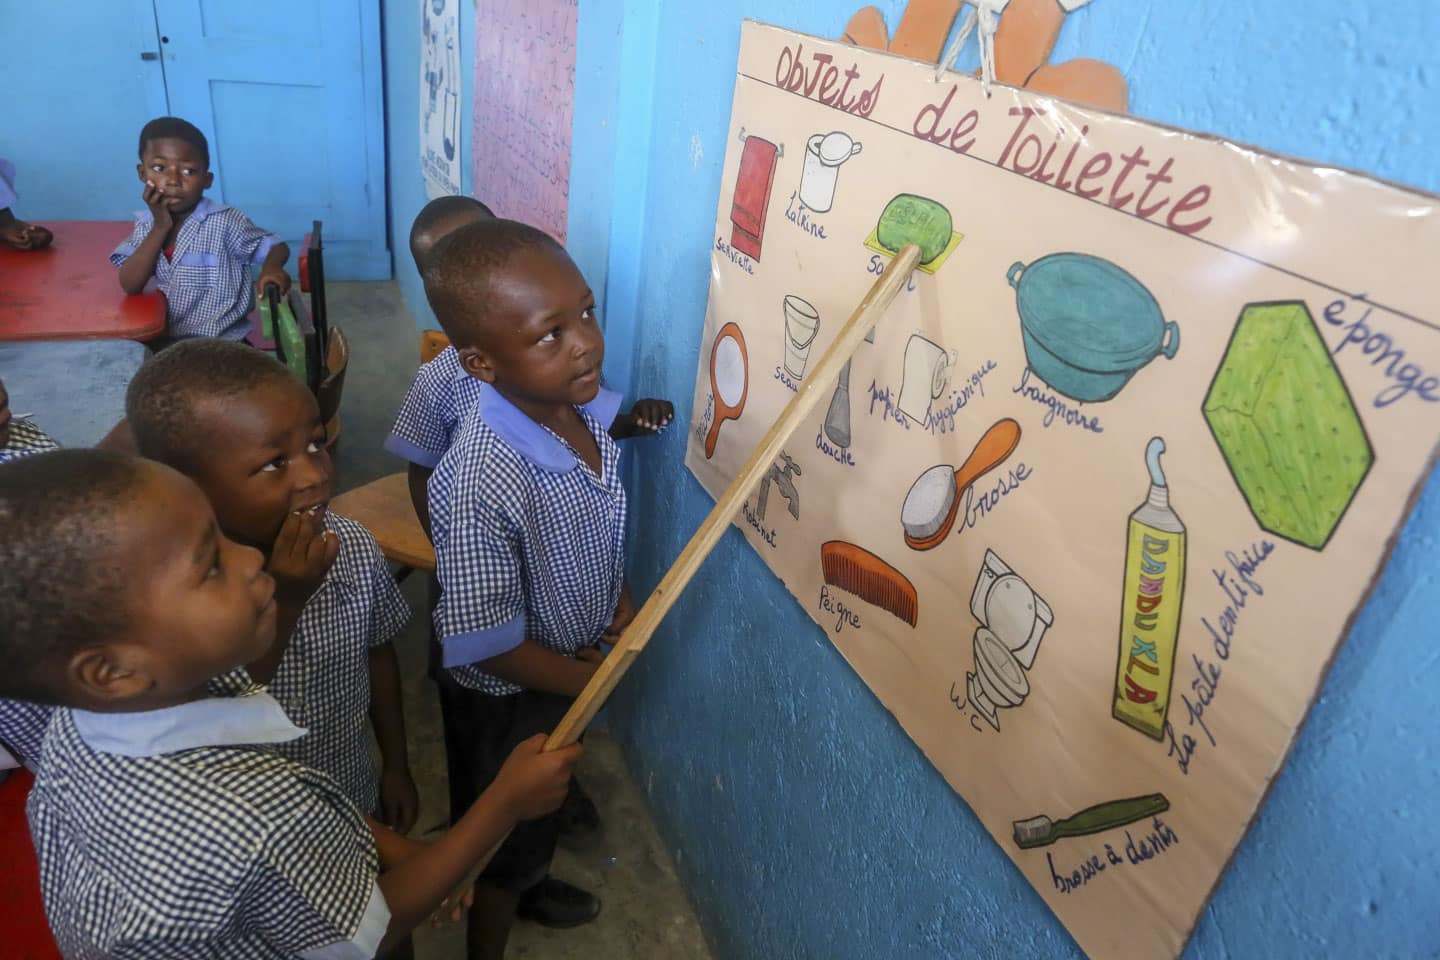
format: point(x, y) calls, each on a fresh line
point(802, 322)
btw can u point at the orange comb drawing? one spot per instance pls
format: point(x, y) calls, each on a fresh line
point(858, 571)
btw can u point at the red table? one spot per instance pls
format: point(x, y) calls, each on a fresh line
point(69, 291)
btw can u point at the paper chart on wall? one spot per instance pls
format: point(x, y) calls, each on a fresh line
point(440, 96)
point(1093, 511)
point(524, 103)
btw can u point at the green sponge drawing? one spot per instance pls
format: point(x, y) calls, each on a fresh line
point(1286, 424)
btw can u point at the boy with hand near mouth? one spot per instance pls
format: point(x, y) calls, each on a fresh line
point(236, 422)
point(199, 251)
point(162, 830)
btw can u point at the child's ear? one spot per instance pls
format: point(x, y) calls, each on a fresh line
point(209, 180)
point(109, 673)
point(477, 363)
point(140, 172)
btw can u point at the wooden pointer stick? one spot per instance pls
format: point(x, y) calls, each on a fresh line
point(815, 387)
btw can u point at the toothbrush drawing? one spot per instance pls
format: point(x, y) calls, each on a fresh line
point(1041, 831)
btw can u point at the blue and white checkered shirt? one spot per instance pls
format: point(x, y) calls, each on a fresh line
point(440, 396)
point(22, 730)
point(529, 542)
point(162, 834)
point(207, 284)
point(26, 440)
point(323, 679)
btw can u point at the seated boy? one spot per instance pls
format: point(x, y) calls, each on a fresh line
point(14, 231)
point(442, 392)
point(240, 425)
point(528, 518)
point(161, 829)
point(198, 251)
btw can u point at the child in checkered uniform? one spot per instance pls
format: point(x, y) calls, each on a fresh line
point(528, 520)
point(198, 251)
point(19, 437)
point(235, 421)
point(442, 392)
point(164, 826)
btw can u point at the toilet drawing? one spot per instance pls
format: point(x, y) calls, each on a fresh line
point(1013, 620)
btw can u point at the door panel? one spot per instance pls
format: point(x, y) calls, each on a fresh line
point(289, 95)
point(77, 92)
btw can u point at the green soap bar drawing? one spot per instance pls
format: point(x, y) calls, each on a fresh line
point(1286, 424)
point(911, 219)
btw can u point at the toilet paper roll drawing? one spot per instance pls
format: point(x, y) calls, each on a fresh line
point(927, 374)
point(802, 322)
point(729, 380)
point(824, 153)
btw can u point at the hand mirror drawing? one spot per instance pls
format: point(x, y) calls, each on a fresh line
point(729, 380)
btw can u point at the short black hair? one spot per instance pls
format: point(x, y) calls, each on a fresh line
point(173, 128)
point(163, 400)
point(434, 213)
point(62, 586)
point(459, 270)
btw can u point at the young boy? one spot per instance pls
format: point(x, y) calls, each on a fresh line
point(528, 518)
point(235, 421)
point(442, 393)
point(162, 831)
point(198, 251)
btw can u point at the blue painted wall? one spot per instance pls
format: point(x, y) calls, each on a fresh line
point(76, 97)
point(804, 821)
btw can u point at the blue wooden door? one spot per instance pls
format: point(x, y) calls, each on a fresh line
point(289, 93)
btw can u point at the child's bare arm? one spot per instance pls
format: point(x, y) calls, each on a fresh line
point(536, 668)
point(273, 270)
point(530, 784)
point(419, 479)
point(399, 801)
point(137, 270)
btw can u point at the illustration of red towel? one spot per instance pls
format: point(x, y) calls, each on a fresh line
point(752, 195)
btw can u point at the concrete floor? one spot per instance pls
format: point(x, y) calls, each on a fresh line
point(645, 914)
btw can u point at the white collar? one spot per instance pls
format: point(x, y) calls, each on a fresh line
point(212, 722)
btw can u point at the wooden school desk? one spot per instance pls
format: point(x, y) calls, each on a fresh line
point(69, 290)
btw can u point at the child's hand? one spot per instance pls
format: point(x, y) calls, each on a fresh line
point(399, 800)
point(275, 275)
point(453, 907)
point(533, 783)
point(624, 613)
point(652, 416)
point(301, 556)
point(159, 209)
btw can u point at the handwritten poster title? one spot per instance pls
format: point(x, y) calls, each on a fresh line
point(1131, 180)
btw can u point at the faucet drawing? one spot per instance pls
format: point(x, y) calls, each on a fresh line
point(785, 481)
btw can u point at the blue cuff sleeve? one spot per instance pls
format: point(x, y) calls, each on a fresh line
point(477, 645)
point(412, 452)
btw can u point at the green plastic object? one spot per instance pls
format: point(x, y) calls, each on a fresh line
point(1286, 424)
point(291, 339)
point(911, 219)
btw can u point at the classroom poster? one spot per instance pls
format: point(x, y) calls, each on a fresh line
point(1093, 511)
point(440, 96)
point(524, 102)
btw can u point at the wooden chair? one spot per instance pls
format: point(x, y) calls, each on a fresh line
point(384, 506)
